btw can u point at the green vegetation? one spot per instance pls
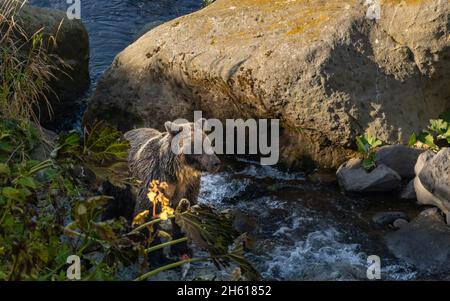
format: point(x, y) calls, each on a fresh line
point(50, 205)
point(36, 198)
point(436, 136)
point(366, 147)
point(26, 66)
point(207, 2)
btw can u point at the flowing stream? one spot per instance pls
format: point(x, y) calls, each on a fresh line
point(302, 230)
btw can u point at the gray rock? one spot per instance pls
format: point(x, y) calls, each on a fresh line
point(353, 178)
point(326, 70)
point(435, 177)
point(45, 146)
point(383, 219)
point(424, 242)
point(400, 158)
point(409, 192)
point(399, 223)
point(425, 197)
point(72, 47)
point(423, 159)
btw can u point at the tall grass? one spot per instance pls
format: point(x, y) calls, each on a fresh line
point(26, 66)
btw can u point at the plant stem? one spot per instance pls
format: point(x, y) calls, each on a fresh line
point(155, 221)
point(166, 244)
point(168, 267)
point(43, 165)
point(72, 232)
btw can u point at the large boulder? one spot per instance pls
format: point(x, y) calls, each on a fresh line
point(400, 158)
point(72, 46)
point(353, 178)
point(322, 67)
point(432, 183)
point(424, 242)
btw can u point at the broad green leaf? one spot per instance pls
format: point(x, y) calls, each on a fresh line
point(372, 141)
point(15, 194)
point(4, 169)
point(28, 182)
point(439, 126)
point(412, 140)
point(427, 139)
point(362, 144)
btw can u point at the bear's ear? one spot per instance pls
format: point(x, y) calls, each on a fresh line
point(173, 128)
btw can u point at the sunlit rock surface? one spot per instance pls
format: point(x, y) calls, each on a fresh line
point(322, 67)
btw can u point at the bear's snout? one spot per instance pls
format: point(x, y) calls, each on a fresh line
point(214, 164)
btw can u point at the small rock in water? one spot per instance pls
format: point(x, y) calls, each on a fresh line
point(383, 219)
point(400, 158)
point(353, 178)
point(243, 223)
point(409, 193)
point(400, 223)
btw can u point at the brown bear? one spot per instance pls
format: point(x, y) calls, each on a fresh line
point(166, 157)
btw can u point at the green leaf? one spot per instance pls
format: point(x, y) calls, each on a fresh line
point(362, 144)
point(6, 147)
point(28, 182)
point(105, 154)
point(439, 126)
point(368, 164)
point(4, 169)
point(427, 139)
point(445, 116)
point(15, 194)
point(68, 144)
point(412, 140)
point(209, 230)
point(373, 141)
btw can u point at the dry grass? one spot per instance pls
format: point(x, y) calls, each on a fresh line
point(26, 66)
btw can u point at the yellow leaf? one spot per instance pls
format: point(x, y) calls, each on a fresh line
point(140, 218)
point(151, 196)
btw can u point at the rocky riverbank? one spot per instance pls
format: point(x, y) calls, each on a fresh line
point(322, 67)
point(416, 175)
point(329, 74)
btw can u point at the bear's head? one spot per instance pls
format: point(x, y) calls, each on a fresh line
point(191, 144)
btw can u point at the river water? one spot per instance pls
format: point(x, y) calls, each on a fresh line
point(303, 230)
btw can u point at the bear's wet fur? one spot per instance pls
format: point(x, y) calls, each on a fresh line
point(151, 157)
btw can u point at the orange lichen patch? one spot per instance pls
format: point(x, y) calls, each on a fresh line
point(266, 17)
point(299, 26)
point(407, 2)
